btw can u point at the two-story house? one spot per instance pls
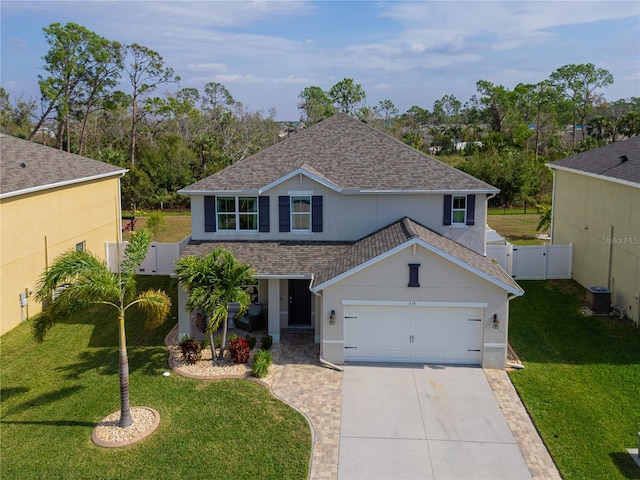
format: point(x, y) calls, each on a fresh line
point(375, 246)
point(51, 201)
point(596, 206)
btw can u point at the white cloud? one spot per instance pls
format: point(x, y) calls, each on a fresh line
point(208, 67)
point(417, 51)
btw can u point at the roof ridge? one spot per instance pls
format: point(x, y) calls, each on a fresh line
point(410, 227)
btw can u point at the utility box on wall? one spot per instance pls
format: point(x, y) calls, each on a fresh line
point(598, 300)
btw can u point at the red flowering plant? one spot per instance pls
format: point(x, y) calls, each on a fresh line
point(239, 350)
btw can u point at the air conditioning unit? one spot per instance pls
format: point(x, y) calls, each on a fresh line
point(599, 300)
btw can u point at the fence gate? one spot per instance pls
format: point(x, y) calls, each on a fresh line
point(534, 262)
point(160, 259)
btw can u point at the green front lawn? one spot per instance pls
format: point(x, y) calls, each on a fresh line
point(52, 395)
point(581, 384)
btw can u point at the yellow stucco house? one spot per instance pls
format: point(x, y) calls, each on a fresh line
point(596, 206)
point(50, 201)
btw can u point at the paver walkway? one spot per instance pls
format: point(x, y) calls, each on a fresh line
point(317, 392)
point(534, 451)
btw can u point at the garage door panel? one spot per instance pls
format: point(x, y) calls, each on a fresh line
point(362, 354)
point(394, 355)
point(413, 334)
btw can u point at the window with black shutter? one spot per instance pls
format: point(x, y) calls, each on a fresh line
point(209, 213)
point(263, 213)
point(471, 209)
point(284, 213)
point(446, 213)
point(316, 213)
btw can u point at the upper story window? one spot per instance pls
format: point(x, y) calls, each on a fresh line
point(459, 211)
point(301, 213)
point(237, 213)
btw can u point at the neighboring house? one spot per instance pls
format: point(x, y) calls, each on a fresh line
point(374, 246)
point(596, 206)
point(50, 201)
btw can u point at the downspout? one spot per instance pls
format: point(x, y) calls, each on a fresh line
point(610, 260)
point(553, 220)
point(486, 220)
point(516, 366)
point(322, 360)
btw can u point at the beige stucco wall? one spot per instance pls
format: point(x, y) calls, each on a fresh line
point(602, 219)
point(350, 217)
point(440, 281)
point(35, 228)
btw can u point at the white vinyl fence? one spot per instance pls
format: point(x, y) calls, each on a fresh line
point(160, 260)
point(531, 262)
point(534, 262)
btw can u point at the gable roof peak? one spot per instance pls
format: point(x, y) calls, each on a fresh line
point(349, 154)
point(408, 225)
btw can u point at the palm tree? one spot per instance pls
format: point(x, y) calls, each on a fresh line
point(545, 218)
point(214, 281)
point(89, 282)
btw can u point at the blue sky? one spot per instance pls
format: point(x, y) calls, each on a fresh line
point(412, 53)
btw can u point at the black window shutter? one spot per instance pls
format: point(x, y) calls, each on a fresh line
point(414, 280)
point(446, 214)
point(316, 213)
point(263, 213)
point(283, 210)
point(209, 213)
point(471, 209)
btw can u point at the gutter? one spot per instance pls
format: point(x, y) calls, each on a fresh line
point(515, 366)
point(486, 220)
point(320, 358)
point(118, 173)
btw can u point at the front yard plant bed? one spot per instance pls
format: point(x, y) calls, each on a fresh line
point(581, 384)
point(53, 395)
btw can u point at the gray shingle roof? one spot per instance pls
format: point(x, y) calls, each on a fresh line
point(27, 166)
point(349, 154)
point(327, 260)
point(401, 232)
point(273, 258)
point(607, 162)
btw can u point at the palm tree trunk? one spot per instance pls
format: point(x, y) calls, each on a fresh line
point(224, 337)
point(125, 409)
point(212, 346)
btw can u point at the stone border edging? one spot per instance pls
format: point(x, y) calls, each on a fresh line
point(177, 371)
point(130, 441)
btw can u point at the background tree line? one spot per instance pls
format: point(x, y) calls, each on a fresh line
point(172, 139)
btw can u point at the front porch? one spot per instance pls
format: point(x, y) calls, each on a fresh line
point(288, 306)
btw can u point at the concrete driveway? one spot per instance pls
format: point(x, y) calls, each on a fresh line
point(424, 422)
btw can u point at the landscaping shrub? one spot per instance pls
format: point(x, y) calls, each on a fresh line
point(261, 364)
point(239, 350)
point(190, 350)
point(252, 341)
point(217, 341)
point(204, 343)
point(266, 342)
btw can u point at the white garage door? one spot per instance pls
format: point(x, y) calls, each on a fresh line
point(418, 334)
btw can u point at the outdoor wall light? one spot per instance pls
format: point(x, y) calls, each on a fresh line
point(332, 318)
point(496, 321)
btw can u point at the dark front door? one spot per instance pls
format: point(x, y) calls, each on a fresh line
point(299, 303)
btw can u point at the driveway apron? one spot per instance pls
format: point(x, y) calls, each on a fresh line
point(424, 422)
